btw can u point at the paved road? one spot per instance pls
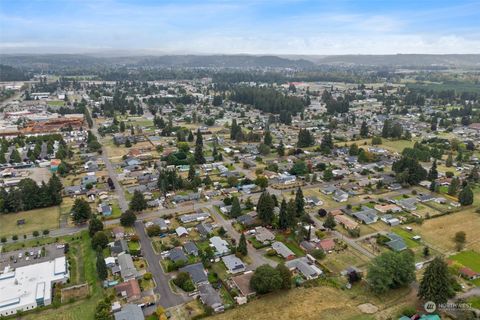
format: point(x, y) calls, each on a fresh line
point(167, 297)
point(122, 202)
point(255, 255)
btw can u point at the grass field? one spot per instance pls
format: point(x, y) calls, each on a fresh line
point(406, 236)
point(319, 303)
point(38, 219)
point(56, 103)
point(392, 145)
point(338, 262)
point(439, 232)
point(469, 259)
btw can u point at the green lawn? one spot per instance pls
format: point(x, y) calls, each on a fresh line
point(475, 301)
point(469, 259)
point(407, 237)
point(290, 243)
point(38, 219)
point(56, 103)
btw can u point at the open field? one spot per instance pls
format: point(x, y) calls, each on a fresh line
point(37, 219)
point(319, 303)
point(392, 145)
point(469, 259)
point(338, 262)
point(439, 232)
point(56, 103)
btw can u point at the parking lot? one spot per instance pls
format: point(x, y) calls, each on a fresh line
point(27, 256)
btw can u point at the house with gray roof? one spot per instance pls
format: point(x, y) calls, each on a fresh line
point(210, 297)
point(192, 217)
point(161, 223)
point(306, 268)
point(408, 204)
point(176, 254)
point(283, 250)
point(129, 312)
point(197, 273)
point(127, 268)
point(191, 248)
point(366, 215)
point(396, 242)
point(220, 245)
point(204, 229)
point(233, 264)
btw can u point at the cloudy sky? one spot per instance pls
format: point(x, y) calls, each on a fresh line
point(241, 26)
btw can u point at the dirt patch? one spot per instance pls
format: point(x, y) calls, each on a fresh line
point(76, 292)
point(368, 308)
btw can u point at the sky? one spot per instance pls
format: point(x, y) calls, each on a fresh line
point(242, 26)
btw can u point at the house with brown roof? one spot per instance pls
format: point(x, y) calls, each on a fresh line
point(242, 283)
point(346, 222)
point(129, 290)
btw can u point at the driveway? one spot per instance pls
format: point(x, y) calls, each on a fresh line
point(167, 297)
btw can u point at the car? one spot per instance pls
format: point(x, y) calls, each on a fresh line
point(20, 255)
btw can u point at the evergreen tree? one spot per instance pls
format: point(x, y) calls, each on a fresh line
point(353, 151)
point(101, 266)
point(55, 187)
point(291, 213)
point(305, 139)
point(283, 222)
point(449, 161)
point(326, 146)
point(433, 173)
point(299, 202)
point(327, 175)
point(364, 130)
point(286, 276)
point(15, 156)
point(436, 284)
point(265, 207)
point(267, 139)
point(281, 149)
point(236, 210)
point(453, 187)
point(81, 211)
point(465, 197)
point(191, 172)
point(198, 154)
point(94, 225)
point(242, 245)
point(128, 218)
point(138, 202)
point(330, 222)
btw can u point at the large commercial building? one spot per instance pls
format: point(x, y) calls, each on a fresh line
point(28, 287)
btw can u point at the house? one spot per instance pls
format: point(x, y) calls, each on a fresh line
point(425, 198)
point(233, 264)
point(390, 220)
point(346, 222)
point(210, 297)
point(313, 201)
point(191, 248)
point(118, 246)
point(408, 204)
point(328, 190)
point(468, 273)
point(281, 249)
point(220, 245)
point(127, 268)
point(118, 232)
point(263, 235)
point(366, 215)
point(129, 290)
point(396, 242)
point(242, 283)
point(340, 196)
point(307, 246)
point(204, 229)
point(105, 209)
point(303, 266)
point(327, 244)
point(176, 255)
point(197, 273)
point(286, 178)
point(181, 231)
point(129, 312)
point(385, 208)
point(162, 223)
point(192, 217)
point(246, 220)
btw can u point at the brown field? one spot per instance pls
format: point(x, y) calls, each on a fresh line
point(35, 220)
point(319, 303)
point(439, 232)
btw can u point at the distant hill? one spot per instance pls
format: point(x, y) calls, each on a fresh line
point(416, 60)
point(52, 61)
point(8, 73)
